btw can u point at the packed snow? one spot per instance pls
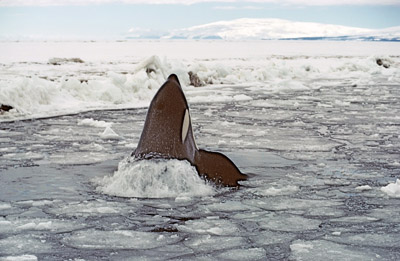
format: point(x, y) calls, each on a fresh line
point(315, 126)
point(43, 89)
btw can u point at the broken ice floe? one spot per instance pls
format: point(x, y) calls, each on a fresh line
point(392, 189)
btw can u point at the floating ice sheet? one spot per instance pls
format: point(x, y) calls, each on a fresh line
point(119, 239)
point(325, 250)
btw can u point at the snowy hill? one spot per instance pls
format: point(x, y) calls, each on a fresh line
point(264, 29)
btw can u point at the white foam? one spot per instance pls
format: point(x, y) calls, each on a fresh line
point(154, 179)
point(392, 189)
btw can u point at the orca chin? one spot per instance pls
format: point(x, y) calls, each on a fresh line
point(168, 134)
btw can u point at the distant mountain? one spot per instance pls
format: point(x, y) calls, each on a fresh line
point(268, 29)
point(264, 29)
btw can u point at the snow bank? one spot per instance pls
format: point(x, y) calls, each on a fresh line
point(393, 189)
point(34, 96)
point(154, 179)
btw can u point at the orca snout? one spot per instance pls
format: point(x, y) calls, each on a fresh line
point(174, 78)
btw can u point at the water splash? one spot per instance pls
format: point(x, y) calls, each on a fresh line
point(154, 179)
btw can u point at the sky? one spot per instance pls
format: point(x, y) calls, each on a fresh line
point(81, 19)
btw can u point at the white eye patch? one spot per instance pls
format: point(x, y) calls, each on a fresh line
point(185, 125)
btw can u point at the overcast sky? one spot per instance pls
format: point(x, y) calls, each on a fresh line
point(113, 18)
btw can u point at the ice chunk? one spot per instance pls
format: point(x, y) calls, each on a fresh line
point(230, 206)
point(109, 134)
point(289, 203)
point(24, 244)
point(393, 189)
point(94, 123)
point(355, 219)
point(325, 211)
point(119, 239)
point(22, 224)
point(242, 97)
point(39, 226)
point(269, 237)
point(209, 226)
point(19, 258)
point(91, 208)
point(272, 191)
point(363, 188)
point(300, 247)
point(154, 179)
point(325, 250)
point(289, 223)
point(203, 243)
point(384, 239)
point(244, 254)
point(4, 206)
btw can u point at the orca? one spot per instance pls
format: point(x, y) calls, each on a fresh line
point(168, 134)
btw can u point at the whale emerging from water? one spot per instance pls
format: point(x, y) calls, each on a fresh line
point(168, 134)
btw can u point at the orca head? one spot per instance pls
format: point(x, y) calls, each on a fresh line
point(167, 131)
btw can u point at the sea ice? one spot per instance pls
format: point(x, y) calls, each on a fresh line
point(392, 189)
point(325, 250)
point(24, 244)
point(206, 243)
point(289, 223)
point(4, 206)
point(19, 258)
point(109, 134)
point(272, 191)
point(244, 254)
point(363, 188)
point(94, 123)
point(119, 239)
point(209, 226)
point(383, 239)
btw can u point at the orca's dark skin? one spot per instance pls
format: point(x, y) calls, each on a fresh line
point(168, 134)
